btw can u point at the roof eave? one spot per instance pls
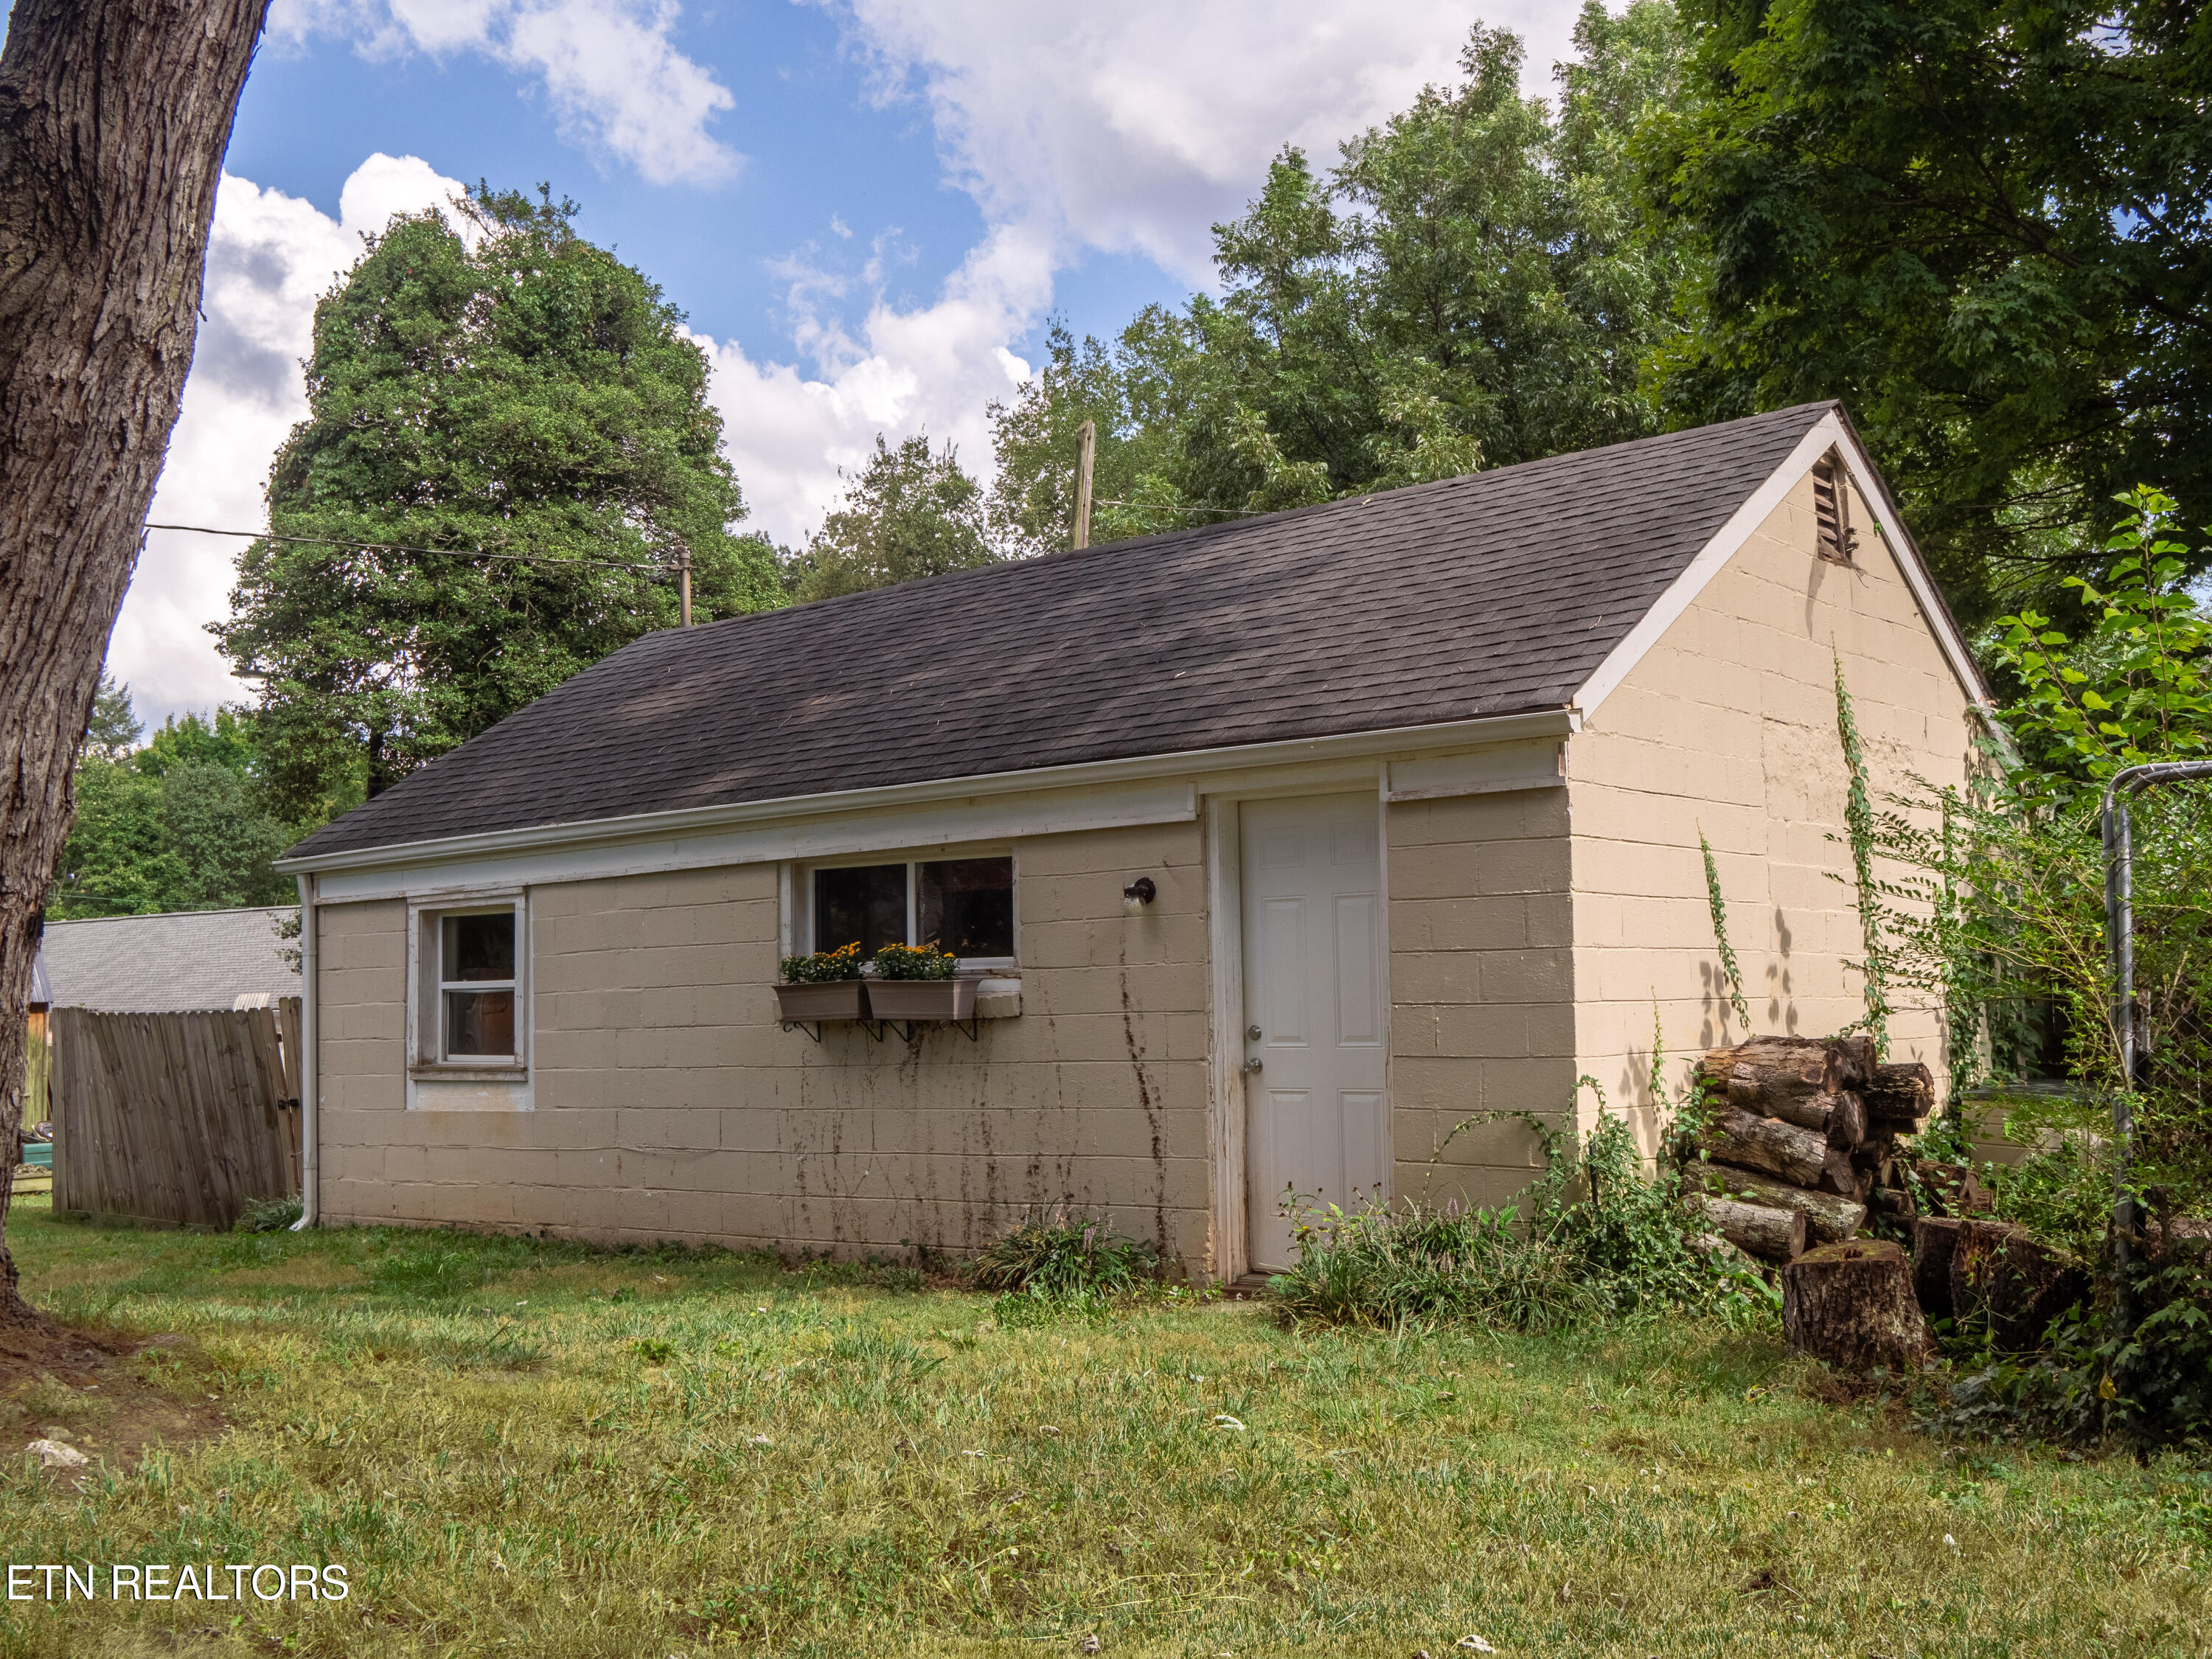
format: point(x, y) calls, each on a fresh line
point(1464, 733)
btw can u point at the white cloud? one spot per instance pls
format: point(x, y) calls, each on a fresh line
point(269, 258)
point(1135, 127)
point(931, 369)
point(610, 70)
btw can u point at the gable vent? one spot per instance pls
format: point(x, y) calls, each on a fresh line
point(1832, 508)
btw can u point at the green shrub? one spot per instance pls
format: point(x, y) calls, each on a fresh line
point(1603, 1236)
point(2150, 1385)
point(1062, 1255)
point(268, 1215)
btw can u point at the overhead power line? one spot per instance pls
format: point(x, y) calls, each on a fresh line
point(397, 547)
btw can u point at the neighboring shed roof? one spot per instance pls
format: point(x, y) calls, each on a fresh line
point(1496, 593)
point(185, 960)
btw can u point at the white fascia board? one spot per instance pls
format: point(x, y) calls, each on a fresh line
point(1050, 800)
point(1828, 433)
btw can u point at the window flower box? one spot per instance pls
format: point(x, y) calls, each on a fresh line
point(822, 986)
point(916, 985)
point(918, 1000)
point(835, 998)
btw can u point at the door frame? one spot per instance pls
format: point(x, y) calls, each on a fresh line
point(1226, 1110)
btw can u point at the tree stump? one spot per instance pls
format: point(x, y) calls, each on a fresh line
point(2004, 1275)
point(1935, 1240)
point(1851, 1304)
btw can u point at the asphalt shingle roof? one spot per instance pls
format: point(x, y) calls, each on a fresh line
point(1496, 593)
point(185, 960)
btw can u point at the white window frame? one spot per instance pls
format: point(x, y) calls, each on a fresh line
point(802, 900)
point(425, 1002)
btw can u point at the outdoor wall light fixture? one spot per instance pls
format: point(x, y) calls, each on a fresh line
point(1138, 894)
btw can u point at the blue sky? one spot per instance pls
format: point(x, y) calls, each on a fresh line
point(869, 209)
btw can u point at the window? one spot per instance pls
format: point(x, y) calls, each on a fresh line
point(471, 999)
point(965, 906)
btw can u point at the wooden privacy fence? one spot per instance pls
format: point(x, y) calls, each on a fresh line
point(182, 1118)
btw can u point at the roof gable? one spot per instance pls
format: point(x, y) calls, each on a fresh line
point(1497, 593)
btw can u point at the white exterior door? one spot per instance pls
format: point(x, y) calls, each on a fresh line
point(1316, 1115)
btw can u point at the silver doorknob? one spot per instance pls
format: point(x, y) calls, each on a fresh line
point(1252, 1064)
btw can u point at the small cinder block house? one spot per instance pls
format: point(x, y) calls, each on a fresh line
point(1417, 781)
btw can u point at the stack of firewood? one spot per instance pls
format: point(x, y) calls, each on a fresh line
point(1798, 1141)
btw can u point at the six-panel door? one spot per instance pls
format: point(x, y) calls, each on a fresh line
point(1317, 1129)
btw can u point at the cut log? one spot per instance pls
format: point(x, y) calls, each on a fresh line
point(1847, 1119)
point(1757, 1230)
point(1720, 1251)
point(1858, 1061)
point(1764, 1143)
point(1840, 1175)
point(2005, 1278)
point(1851, 1304)
point(1890, 1202)
point(1934, 1241)
point(1832, 1217)
point(1900, 1095)
point(1764, 1070)
point(1952, 1189)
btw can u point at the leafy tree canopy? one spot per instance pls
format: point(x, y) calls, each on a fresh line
point(522, 398)
point(1982, 224)
point(1472, 284)
point(180, 824)
point(911, 512)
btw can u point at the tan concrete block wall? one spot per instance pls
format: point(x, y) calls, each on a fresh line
point(1482, 984)
point(1729, 724)
point(669, 1104)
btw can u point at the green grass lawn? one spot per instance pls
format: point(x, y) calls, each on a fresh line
point(535, 1449)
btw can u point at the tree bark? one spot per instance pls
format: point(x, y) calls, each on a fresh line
point(1757, 1230)
point(1934, 1241)
point(1764, 1143)
point(1851, 1304)
point(1841, 1176)
point(1832, 1217)
point(2004, 1275)
point(1900, 1096)
point(114, 115)
point(1846, 1124)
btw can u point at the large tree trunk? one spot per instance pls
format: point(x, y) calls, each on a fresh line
point(114, 115)
point(1851, 1304)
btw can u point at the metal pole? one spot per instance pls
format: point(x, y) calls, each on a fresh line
point(2120, 943)
point(684, 564)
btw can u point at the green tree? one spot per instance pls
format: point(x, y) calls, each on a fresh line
point(1474, 284)
point(180, 824)
point(114, 728)
point(1982, 224)
point(911, 512)
point(525, 399)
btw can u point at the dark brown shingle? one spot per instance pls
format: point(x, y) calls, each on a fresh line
point(1492, 594)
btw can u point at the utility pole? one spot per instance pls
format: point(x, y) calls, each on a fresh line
point(1086, 453)
point(684, 566)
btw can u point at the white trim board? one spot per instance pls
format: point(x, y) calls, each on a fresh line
point(660, 827)
point(881, 830)
point(1828, 433)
